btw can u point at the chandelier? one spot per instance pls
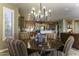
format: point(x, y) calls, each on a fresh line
point(42, 14)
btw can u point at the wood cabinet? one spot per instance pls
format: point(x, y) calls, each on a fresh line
point(34, 25)
point(21, 23)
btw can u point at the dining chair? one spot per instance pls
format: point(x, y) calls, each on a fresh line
point(16, 47)
point(20, 48)
point(9, 47)
point(67, 46)
point(24, 35)
point(9, 42)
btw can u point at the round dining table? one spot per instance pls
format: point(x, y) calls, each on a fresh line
point(50, 45)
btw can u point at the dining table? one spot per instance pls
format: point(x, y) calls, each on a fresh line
point(50, 45)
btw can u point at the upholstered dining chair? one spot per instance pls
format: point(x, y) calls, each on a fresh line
point(9, 46)
point(67, 46)
point(16, 47)
point(11, 50)
point(20, 48)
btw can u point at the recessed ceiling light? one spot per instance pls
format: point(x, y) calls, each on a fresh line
point(66, 9)
point(76, 5)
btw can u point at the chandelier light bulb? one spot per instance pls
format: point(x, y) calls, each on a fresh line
point(32, 12)
point(49, 10)
point(35, 15)
point(44, 7)
point(33, 8)
point(39, 12)
point(46, 13)
point(42, 16)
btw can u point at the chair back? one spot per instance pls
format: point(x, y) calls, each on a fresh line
point(24, 35)
point(51, 35)
point(68, 45)
point(14, 47)
point(20, 48)
point(9, 42)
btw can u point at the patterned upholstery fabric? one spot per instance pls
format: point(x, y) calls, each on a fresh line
point(20, 48)
point(10, 46)
point(68, 45)
point(14, 47)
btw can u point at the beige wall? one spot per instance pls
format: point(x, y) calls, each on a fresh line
point(16, 15)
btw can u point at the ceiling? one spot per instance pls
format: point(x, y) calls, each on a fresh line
point(59, 10)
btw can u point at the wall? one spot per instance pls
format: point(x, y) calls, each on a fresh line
point(63, 25)
point(76, 27)
point(16, 14)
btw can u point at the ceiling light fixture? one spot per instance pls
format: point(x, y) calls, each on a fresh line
point(76, 5)
point(66, 9)
point(42, 14)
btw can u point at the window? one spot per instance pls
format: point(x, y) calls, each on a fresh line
point(8, 23)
